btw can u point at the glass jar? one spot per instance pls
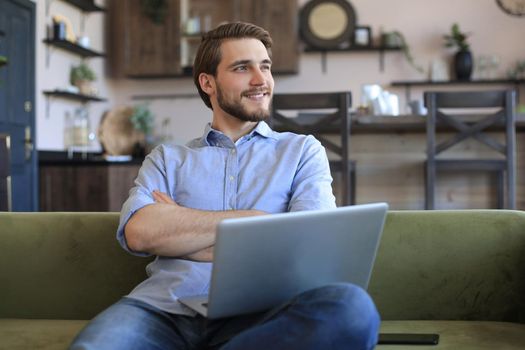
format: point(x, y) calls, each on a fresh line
point(81, 128)
point(68, 130)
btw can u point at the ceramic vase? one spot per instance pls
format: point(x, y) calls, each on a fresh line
point(463, 65)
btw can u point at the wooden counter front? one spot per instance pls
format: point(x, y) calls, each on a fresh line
point(78, 184)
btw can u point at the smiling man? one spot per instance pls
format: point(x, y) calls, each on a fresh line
point(239, 167)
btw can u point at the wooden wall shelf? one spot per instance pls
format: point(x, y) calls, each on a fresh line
point(355, 49)
point(457, 82)
point(84, 5)
point(73, 96)
point(73, 48)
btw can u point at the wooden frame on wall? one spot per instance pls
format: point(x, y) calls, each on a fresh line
point(363, 36)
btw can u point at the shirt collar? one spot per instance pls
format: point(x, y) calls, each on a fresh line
point(212, 137)
point(264, 130)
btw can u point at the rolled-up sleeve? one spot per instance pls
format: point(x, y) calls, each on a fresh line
point(151, 176)
point(312, 184)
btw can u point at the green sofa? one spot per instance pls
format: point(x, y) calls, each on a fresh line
point(460, 274)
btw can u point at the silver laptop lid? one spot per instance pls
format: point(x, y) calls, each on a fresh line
point(261, 262)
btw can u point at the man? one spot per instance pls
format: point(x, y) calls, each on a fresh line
point(239, 167)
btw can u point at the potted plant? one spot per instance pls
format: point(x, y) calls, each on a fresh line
point(463, 58)
point(142, 120)
point(397, 39)
point(82, 76)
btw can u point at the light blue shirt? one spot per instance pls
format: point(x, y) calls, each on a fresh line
point(264, 170)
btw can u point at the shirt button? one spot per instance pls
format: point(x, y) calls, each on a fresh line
point(232, 151)
point(231, 178)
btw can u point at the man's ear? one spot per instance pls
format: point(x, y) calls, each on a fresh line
point(207, 83)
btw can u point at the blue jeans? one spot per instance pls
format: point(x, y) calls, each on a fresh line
point(337, 316)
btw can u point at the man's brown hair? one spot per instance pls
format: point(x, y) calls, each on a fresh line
point(208, 54)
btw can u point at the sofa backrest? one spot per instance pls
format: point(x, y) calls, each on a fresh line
point(451, 265)
point(448, 265)
point(63, 265)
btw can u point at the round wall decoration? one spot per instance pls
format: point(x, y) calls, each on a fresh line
point(116, 132)
point(512, 7)
point(326, 24)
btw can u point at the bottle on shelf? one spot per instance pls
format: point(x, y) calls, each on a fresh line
point(68, 133)
point(59, 30)
point(79, 133)
point(81, 127)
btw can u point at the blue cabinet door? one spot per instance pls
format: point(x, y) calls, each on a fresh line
point(17, 98)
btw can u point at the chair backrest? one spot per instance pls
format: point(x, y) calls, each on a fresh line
point(316, 114)
point(469, 114)
point(5, 173)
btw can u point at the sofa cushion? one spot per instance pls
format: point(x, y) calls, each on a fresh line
point(460, 335)
point(21, 334)
point(18, 334)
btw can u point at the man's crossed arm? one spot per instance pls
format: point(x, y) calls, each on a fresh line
point(168, 229)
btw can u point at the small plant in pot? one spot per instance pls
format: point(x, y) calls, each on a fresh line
point(397, 39)
point(463, 62)
point(82, 76)
point(143, 121)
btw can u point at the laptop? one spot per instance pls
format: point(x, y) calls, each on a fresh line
point(263, 261)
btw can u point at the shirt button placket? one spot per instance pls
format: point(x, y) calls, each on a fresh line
point(231, 183)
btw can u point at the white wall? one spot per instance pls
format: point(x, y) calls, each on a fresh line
point(422, 22)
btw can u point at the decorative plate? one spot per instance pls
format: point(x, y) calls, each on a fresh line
point(327, 24)
point(116, 132)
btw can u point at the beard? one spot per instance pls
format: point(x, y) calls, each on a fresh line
point(236, 109)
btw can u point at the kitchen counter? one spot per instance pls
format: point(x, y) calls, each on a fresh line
point(78, 158)
point(376, 124)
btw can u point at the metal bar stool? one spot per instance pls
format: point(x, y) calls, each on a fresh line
point(469, 114)
point(316, 111)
